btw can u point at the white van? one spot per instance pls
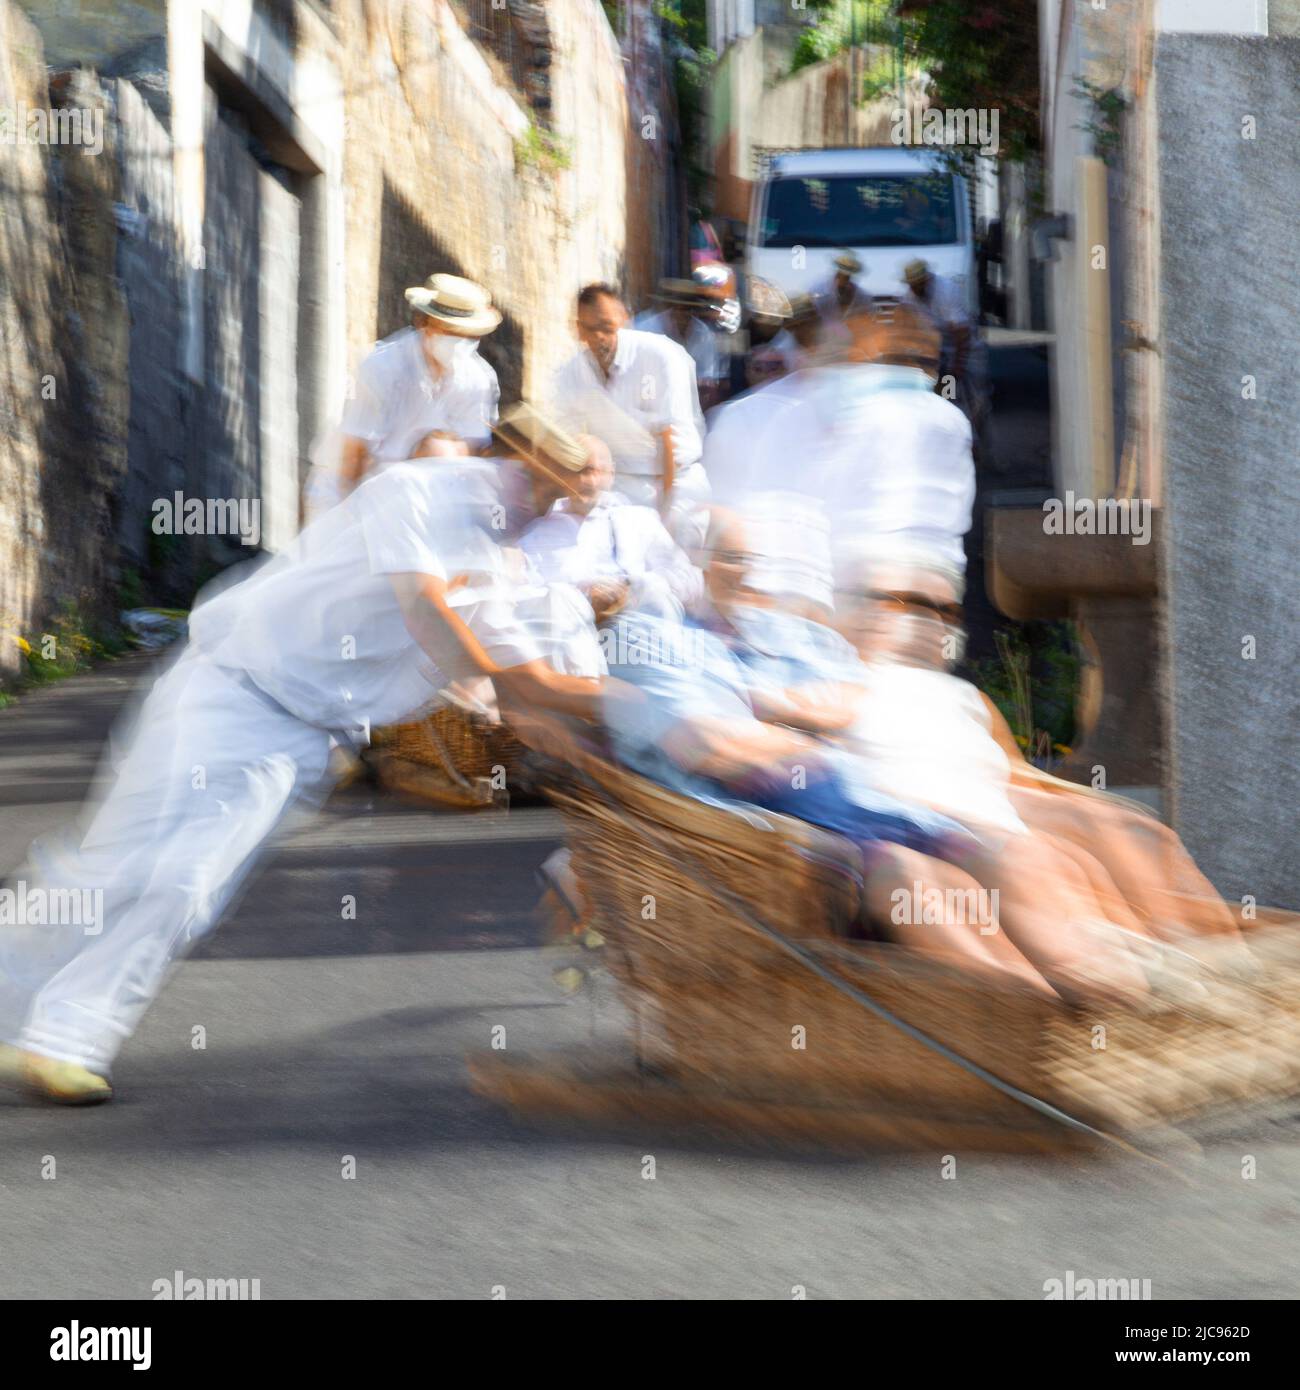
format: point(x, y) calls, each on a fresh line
point(888, 206)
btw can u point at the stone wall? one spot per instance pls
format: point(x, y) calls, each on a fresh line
point(63, 332)
point(1231, 302)
point(440, 178)
point(195, 295)
point(149, 262)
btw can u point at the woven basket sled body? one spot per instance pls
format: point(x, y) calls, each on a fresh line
point(450, 756)
point(724, 1013)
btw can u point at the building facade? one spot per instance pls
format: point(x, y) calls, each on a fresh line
point(272, 174)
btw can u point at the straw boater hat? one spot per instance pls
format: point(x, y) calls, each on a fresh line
point(915, 271)
point(848, 262)
point(767, 301)
point(684, 294)
point(461, 306)
point(714, 280)
point(541, 444)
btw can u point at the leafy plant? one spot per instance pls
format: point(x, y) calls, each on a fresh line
point(541, 149)
point(982, 56)
point(686, 28)
point(841, 24)
point(64, 650)
point(1034, 683)
point(72, 643)
point(1105, 124)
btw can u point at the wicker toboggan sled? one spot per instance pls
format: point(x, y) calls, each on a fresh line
point(729, 933)
point(451, 756)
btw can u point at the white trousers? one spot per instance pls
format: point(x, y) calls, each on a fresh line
point(210, 768)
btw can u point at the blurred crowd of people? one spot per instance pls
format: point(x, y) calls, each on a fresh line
point(746, 589)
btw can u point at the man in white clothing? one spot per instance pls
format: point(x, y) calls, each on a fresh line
point(796, 344)
point(964, 356)
point(628, 387)
point(839, 459)
point(679, 319)
point(615, 552)
point(403, 589)
point(423, 378)
point(840, 296)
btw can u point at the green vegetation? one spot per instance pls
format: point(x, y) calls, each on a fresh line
point(541, 149)
point(72, 643)
point(982, 56)
point(686, 29)
point(614, 13)
point(130, 589)
point(843, 23)
point(1034, 683)
point(1105, 124)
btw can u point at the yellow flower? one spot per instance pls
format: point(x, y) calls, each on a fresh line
point(24, 645)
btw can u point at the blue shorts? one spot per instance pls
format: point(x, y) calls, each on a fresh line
point(823, 802)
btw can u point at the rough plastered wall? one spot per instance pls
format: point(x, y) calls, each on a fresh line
point(435, 182)
point(1230, 304)
point(92, 254)
point(63, 328)
point(150, 258)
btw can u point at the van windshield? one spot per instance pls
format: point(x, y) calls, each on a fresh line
point(857, 210)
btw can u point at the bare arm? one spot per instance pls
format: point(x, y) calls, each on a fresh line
point(354, 465)
point(822, 708)
point(429, 617)
point(731, 752)
point(537, 685)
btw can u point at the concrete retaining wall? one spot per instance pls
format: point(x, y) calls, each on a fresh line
point(1231, 304)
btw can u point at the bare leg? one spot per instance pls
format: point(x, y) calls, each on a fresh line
point(1051, 913)
point(1144, 859)
point(1100, 884)
point(900, 879)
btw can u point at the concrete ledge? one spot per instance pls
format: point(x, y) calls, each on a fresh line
point(1108, 587)
point(1035, 575)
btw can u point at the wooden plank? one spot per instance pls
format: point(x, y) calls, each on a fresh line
point(570, 1087)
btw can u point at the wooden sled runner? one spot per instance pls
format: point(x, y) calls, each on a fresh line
point(728, 933)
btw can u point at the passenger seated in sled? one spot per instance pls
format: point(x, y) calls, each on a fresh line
point(618, 553)
point(932, 739)
point(686, 709)
point(935, 740)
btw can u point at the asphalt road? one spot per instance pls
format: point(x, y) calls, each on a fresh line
point(328, 1039)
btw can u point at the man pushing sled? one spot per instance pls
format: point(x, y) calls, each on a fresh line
point(404, 588)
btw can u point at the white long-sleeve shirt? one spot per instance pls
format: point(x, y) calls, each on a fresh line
point(396, 400)
point(614, 541)
point(883, 460)
point(946, 306)
point(701, 342)
point(320, 629)
point(652, 381)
